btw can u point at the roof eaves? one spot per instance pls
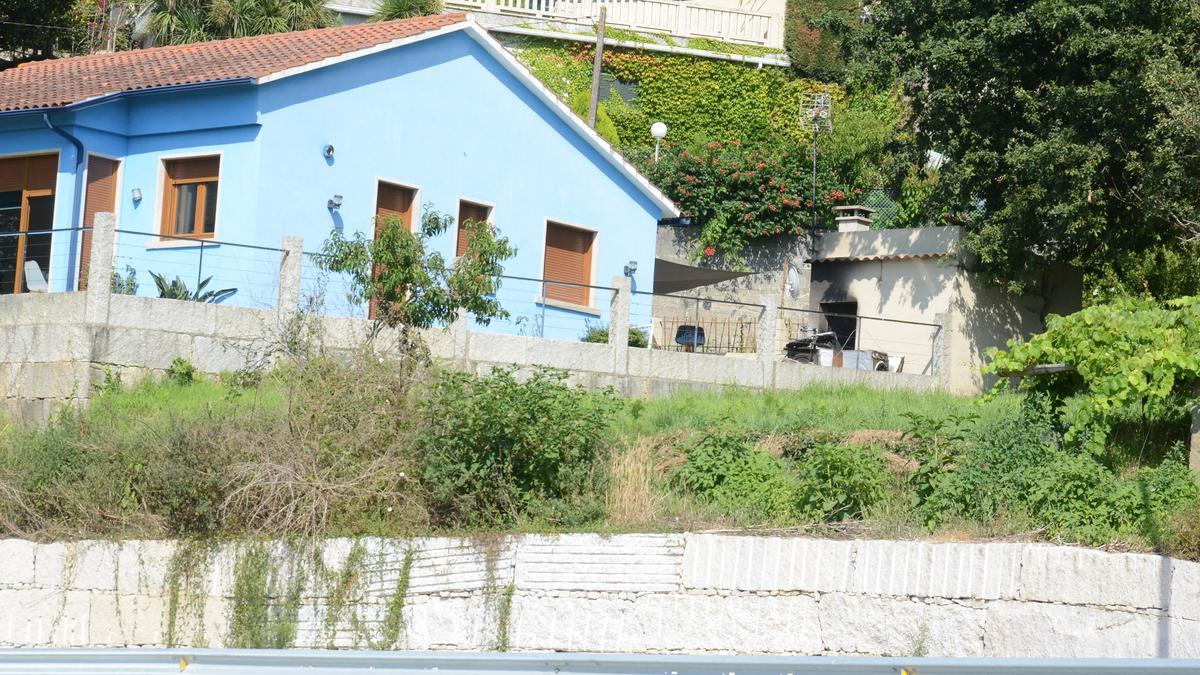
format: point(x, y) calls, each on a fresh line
point(81, 104)
point(518, 70)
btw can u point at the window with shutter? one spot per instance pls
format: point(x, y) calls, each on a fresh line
point(394, 201)
point(101, 197)
point(26, 206)
point(469, 211)
point(568, 259)
point(190, 194)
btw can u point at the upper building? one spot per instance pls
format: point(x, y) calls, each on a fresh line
point(233, 144)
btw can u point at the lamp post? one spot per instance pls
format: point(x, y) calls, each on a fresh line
point(659, 131)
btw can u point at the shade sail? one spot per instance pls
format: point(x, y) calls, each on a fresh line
point(673, 277)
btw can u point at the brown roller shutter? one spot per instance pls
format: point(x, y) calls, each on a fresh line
point(468, 211)
point(199, 168)
point(394, 201)
point(391, 201)
point(569, 259)
point(12, 174)
point(101, 198)
point(43, 172)
point(28, 173)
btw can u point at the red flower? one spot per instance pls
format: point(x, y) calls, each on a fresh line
point(710, 251)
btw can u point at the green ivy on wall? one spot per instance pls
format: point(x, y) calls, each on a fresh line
point(699, 99)
point(737, 154)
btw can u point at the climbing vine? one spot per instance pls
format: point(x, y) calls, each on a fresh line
point(1130, 358)
point(737, 155)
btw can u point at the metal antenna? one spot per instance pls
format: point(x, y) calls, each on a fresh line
point(817, 110)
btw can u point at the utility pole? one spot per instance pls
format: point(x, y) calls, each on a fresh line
point(595, 101)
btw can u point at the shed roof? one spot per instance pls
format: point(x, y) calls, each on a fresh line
point(922, 242)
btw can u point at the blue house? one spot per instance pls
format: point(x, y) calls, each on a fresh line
point(210, 153)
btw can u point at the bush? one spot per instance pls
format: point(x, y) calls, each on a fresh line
point(493, 450)
point(598, 333)
point(840, 482)
point(725, 470)
point(813, 31)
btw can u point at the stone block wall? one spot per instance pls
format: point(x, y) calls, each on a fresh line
point(664, 593)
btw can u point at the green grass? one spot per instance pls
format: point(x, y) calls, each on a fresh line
point(834, 409)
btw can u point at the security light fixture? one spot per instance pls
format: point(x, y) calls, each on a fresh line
point(136, 193)
point(335, 202)
point(659, 131)
point(631, 268)
point(328, 152)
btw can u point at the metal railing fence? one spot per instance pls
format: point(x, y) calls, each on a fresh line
point(148, 661)
point(911, 346)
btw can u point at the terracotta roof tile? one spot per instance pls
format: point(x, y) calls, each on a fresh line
point(59, 82)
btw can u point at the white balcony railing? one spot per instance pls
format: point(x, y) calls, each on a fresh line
point(677, 18)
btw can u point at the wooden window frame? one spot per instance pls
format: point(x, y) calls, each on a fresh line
point(491, 210)
point(23, 218)
point(415, 224)
point(588, 305)
point(170, 199)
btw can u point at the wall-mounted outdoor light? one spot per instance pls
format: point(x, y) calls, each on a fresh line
point(136, 193)
point(631, 268)
point(335, 202)
point(328, 152)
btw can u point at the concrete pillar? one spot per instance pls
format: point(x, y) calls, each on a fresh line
point(100, 268)
point(461, 330)
point(290, 261)
point(767, 338)
point(618, 323)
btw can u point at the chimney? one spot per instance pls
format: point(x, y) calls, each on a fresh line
point(853, 218)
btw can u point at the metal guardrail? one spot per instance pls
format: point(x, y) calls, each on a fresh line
point(272, 661)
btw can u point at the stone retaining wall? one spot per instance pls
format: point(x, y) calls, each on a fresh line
point(628, 593)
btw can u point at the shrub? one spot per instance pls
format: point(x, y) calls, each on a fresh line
point(840, 482)
point(598, 333)
point(495, 449)
point(181, 371)
point(725, 470)
point(813, 32)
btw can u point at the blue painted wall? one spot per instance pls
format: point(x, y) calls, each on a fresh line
point(439, 115)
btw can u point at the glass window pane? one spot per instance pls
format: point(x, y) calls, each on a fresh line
point(37, 247)
point(10, 222)
point(185, 208)
point(210, 207)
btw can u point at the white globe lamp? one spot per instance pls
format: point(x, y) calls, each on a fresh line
point(659, 131)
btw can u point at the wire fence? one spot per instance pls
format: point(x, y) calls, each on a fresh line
point(859, 342)
point(29, 261)
point(698, 324)
point(190, 268)
point(156, 265)
point(552, 309)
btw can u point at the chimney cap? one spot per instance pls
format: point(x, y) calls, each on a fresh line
point(853, 218)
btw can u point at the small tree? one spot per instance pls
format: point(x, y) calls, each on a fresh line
point(410, 286)
point(390, 10)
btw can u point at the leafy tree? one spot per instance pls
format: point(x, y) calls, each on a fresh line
point(1131, 358)
point(814, 31)
point(34, 29)
point(406, 9)
point(184, 21)
point(1070, 127)
point(411, 286)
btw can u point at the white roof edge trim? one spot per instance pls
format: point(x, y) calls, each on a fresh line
point(518, 70)
point(357, 54)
